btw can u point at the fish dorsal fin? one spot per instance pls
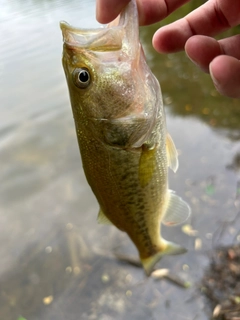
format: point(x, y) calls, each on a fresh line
point(177, 211)
point(102, 219)
point(172, 154)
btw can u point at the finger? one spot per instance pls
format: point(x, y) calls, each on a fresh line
point(150, 11)
point(225, 72)
point(202, 49)
point(210, 19)
point(108, 10)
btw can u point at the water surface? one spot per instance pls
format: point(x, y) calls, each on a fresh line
point(56, 261)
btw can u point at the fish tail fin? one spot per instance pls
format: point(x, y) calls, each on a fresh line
point(170, 248)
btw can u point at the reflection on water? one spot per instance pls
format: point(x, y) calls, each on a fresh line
point(56, 262)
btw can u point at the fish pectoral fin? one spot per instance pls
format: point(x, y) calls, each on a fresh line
point(147, 166)
point(177, 211)
point(172, 154)
point(170, 248)
point(102, 219)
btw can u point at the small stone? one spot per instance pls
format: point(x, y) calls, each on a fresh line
point(69, 270)
point(185, 267)
point(217, 310)
point(129, 293)
point(198, 244)
point(48, 249)
point(105, 278)
point(69, 226)
point(48, 300)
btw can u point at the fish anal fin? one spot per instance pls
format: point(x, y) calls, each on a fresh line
point(172, 154)
point(147, 165)
point(177, 210)
point(170, 248)
point(102, 219)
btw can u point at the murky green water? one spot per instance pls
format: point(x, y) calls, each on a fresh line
point(56, 262)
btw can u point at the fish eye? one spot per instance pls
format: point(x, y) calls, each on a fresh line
point(81, 77)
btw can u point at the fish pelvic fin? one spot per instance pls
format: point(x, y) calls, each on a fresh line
point(147, 166)
point(172, 154)
point(170, 249)
point(102, 219)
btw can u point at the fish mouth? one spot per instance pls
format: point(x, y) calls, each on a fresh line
point(92, 39)
point(109, 38)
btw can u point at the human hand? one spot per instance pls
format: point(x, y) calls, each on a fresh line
point(194, 34)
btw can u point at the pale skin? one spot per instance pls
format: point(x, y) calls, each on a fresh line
point(194, 34)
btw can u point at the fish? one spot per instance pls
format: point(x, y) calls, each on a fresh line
point(121, 130)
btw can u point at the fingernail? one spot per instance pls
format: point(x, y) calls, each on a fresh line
point(193, 61)
point(191, 58)
point(203, 68)
point(97, 10)
point(215, 81)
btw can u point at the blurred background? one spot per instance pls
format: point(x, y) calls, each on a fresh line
point(56, 262)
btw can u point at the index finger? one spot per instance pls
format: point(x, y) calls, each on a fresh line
point(149, 11)
point(210, 19)
point(108, 10)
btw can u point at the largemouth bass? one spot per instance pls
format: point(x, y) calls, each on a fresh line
point(121, 130)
